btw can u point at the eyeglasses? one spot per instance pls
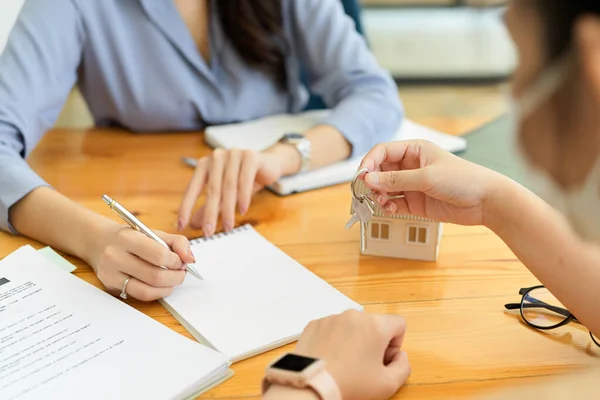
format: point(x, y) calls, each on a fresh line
point(541, 310)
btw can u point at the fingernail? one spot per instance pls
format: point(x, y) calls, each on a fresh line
point(208, 230)
point(380, 200)
point(373, 178)
point(390, 208)
point(191, 255)
point(227, 226)
point(243, 210)
point(180, 225)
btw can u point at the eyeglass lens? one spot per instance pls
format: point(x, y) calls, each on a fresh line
point(541, 309)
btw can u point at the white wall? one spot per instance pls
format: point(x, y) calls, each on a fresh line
point(9, 9)
point(459, 42)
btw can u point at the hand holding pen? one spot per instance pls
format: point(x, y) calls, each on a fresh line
point(129, 262)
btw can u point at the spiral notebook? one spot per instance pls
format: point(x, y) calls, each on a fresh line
point(253, 298)
point(263, 133)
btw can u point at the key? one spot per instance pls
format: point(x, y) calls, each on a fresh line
point(368, 204)
point(363, 211)
point(353, 220)
point(363, 238)
point(366, 210)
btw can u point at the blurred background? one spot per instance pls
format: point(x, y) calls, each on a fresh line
point(450, 58)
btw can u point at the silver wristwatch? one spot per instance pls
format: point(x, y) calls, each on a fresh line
point(302, 144)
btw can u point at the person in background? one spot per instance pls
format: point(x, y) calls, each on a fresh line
point(556, 92)
point(173, 65)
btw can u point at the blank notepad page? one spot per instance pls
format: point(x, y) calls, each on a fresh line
point(253, 297)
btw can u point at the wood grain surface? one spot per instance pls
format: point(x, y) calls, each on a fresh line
point(461, 342)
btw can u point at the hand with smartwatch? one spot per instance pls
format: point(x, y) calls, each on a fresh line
point(350, 356)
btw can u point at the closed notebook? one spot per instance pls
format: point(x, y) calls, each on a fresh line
point(262, 133)
point(253, 298)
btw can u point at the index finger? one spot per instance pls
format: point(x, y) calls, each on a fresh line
point(149, 250)
point(180, 245)
point(393, 326)
point(192, 193)
point(390, 152)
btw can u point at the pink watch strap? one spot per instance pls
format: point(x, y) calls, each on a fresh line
point(325, 386)
point(322, 383)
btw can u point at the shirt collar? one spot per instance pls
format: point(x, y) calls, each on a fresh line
point(165, 16)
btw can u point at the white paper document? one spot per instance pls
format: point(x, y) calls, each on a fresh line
point(61, 338)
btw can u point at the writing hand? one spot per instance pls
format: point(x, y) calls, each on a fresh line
point(122, 252)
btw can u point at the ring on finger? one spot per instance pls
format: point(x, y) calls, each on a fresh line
point(124, 290)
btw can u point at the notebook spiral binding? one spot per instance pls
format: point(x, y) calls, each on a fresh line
point(221, 235)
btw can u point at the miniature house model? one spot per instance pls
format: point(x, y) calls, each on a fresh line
point(399, 236)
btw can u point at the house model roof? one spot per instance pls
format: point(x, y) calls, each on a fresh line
point(361, 190)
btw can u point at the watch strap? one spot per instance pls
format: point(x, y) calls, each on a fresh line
point(302, 145)
point(304, 149)
point(325, 386)
point(322, 384)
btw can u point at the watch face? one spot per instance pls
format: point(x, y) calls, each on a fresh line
point(295, 363)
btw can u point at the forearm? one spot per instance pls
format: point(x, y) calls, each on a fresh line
point(543, 240)
point(39, 66)
point(328, 146)
point(53, 219)
point(277, 392)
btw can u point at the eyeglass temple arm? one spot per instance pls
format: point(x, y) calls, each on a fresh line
point(535, 303)
point(523, 291)
point(512, 306)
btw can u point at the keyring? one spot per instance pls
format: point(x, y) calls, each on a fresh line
point(353, 184)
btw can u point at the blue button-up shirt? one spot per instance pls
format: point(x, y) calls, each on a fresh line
point(138, 67)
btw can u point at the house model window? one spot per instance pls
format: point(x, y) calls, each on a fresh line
point(417, 234)
point(380, 231)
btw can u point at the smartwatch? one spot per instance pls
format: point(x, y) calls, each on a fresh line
point(301, 372)
point(302, 144)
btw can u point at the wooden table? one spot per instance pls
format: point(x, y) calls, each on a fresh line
point(460, 340)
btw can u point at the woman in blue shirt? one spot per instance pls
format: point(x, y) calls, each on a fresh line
point(172, 65)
